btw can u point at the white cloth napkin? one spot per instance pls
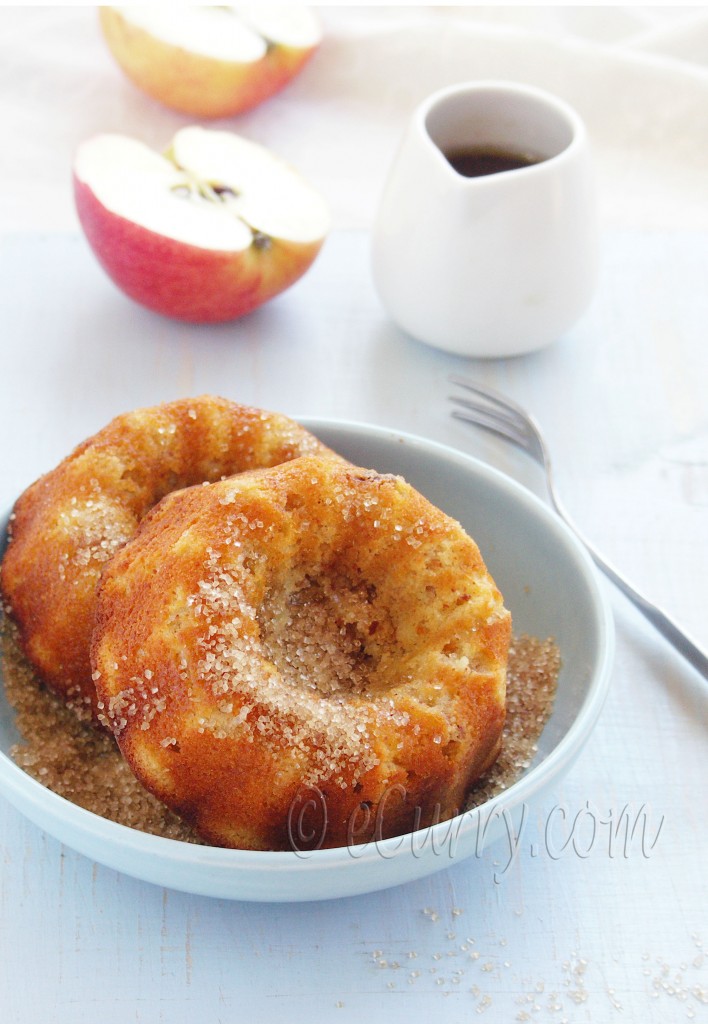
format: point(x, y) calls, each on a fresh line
point(638, 76)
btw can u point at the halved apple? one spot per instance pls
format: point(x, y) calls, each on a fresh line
point(207, 232)
point(211, 61)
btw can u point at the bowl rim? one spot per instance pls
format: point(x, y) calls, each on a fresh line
point(48, 809)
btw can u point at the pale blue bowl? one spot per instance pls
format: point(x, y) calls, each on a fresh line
point(551, 587)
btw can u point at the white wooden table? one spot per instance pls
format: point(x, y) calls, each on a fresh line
point(601, 914)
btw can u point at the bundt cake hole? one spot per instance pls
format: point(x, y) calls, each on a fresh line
point(316, 630)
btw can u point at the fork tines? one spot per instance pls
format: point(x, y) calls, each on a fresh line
point(490, 410)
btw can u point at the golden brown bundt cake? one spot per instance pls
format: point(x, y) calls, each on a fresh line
point(309, 655)
point(67, 525)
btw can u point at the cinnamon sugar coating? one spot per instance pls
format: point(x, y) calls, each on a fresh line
point(308, 655)
point(67, 525)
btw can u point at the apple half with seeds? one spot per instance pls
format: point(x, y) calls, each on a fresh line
point(207, 231)
point(211, 61)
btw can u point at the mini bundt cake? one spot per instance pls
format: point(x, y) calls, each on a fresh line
point(66, 526)
point(306, 656)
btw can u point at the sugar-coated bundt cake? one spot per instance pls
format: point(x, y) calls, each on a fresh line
point(306, 656)
point(67, 525)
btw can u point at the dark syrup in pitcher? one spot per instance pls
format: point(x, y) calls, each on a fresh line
point(476, 162)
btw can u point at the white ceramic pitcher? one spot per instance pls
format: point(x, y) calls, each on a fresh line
point(495, 265)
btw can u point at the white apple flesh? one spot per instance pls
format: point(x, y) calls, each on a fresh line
point(205, 233)
point(211, 61)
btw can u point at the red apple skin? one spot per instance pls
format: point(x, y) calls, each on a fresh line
point(201, 86)
point(183, 281)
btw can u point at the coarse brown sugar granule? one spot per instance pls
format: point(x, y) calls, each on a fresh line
point(84, 765)
point(75, 759)
point(532, 677)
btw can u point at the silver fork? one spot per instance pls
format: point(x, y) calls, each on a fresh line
point(495, 412)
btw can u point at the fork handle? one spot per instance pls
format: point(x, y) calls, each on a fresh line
point(665, 625)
